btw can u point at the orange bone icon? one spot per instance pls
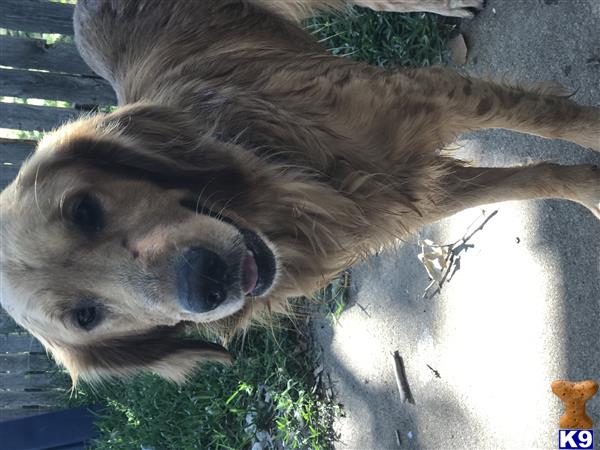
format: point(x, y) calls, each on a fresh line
point(574, 396)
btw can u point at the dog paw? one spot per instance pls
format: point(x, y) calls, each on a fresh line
point(590, 136)
point(465, 9)
point(584, 129)
point(588, 193)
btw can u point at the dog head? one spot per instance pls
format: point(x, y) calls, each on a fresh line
point(121, 227)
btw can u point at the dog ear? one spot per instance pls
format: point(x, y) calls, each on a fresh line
point(154, 143)
point(160, 351)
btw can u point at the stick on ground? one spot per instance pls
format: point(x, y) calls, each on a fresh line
point(398, 438)
point(401, 381)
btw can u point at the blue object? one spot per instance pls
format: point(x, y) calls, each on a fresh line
point(70, 429)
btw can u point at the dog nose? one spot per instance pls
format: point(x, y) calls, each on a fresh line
point(201, 279)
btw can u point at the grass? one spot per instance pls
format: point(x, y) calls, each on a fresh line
point(385, 40)
point(270, 395)
point(335, 296)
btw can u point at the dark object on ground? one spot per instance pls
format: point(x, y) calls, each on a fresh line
point(65, 430)
point(401, 380)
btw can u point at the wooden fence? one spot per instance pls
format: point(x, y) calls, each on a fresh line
point(31, 68)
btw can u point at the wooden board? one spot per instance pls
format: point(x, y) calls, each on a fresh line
point(33, 381)
point(25, 53)
point(54, 86)
point(7, 324)
point(31, 117)
point(44, 399)
point(25, 363)
point(20, 343)
point(12, 154)
point(19, 413)
point(37, 16)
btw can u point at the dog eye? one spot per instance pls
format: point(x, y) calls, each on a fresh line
point(87, 317)
point(87, 213)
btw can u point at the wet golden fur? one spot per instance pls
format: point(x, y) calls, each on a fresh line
point(231, 106)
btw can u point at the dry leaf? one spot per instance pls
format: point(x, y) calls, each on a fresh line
point(435, 259)
point(441, 261)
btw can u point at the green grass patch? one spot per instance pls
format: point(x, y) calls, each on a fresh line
point(384, 39)
point(270, 394)
point(335, 296)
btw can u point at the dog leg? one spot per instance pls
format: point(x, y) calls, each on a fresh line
point(467, 187)
point(469, 104)
point(452, 8)
point(427, 108)
point(298, 10)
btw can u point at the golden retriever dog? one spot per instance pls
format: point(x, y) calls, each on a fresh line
point(244, 165)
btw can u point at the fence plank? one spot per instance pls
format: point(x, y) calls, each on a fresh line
point(15, 151)
point(44, 381)
point(16, 343)
point(25, 363)
point(53, 86)
point(36, 54)
point(12, 154)
point(72, 428)
point(36, 15)
point(7, 325)
point(18, 413)
point(7, 174)
point(30, 117)
point(11, 400)
point(19, 146)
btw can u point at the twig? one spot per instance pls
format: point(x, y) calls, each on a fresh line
point(398, 438)
point(364, 309)
point(453, 255)
point(435, 372)
point(480, 227)
point(401, 381)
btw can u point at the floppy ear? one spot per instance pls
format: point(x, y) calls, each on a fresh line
point(160, 351)
point(157, 144)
